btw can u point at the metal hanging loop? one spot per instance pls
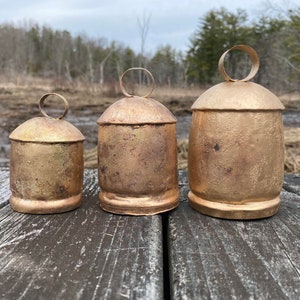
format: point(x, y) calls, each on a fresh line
point(254, 59)
point(137, 68)
point(42, 101)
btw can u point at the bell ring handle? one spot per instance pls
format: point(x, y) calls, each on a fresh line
point(254, 59)
point(42, 101)
point(132, 69)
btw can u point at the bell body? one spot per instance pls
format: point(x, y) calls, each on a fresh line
point(137, 163)
point(236, 156)
point(46, 167)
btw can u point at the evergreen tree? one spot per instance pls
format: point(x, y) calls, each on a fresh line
point(218, 31)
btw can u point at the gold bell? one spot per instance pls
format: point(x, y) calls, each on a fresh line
point(46, 164)
point(137, 156)
point(236, 149)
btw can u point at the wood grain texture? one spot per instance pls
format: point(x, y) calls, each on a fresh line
point(82, 254)
point(4, 186)
point(292, 183)
point(90, 254)
point(220, 259)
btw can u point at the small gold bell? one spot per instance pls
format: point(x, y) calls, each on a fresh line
point(46, 164)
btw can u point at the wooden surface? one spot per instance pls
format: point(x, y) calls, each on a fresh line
point(82, 254)
point(4, 186)
point(211, 258)
point(90, 254)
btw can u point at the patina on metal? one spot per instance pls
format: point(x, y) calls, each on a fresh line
point(137, 156)
point(236, 149)
point(46, 164)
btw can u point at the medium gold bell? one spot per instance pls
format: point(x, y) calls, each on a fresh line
point(236, 149)
point(46, 164)
point(137, 156)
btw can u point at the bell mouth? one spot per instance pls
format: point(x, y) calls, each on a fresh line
point(45, 207)
point(139, 206)
point(245, 211)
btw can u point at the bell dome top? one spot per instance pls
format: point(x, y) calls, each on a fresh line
point(133, 110)
point(47, 129)
point(235, 94)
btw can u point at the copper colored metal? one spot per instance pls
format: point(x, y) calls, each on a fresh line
point(46, 164)
point(236, 149)
point(137, 156)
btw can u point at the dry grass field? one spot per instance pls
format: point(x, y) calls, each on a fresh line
point(19, 102)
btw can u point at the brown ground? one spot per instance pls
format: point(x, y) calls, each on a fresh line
point(20, 103)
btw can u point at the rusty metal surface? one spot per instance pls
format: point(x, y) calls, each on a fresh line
point(236, 158)
point(137, 168)
point(46, 165)
point(237, 95)
point(236, 150)
point(46, 130)
point(136, 110)
point(137, 156)
point(46, 178)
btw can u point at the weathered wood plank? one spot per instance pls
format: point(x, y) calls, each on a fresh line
point(4, 186)
point(292, 183)
point(220, 259)
point(83, 254)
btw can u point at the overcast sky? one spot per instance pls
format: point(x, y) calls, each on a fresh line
point(170, 22)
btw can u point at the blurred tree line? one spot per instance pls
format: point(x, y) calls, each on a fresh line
point(276, 40)
point(41, 51)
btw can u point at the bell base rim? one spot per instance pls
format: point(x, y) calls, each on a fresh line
point(246, 211)
point(138, 206)
point(29, 206)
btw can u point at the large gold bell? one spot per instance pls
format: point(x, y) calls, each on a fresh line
point(236, 149)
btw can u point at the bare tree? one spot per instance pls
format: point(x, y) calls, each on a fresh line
point(144, 28)
point(102, 63)
point(278, 7)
